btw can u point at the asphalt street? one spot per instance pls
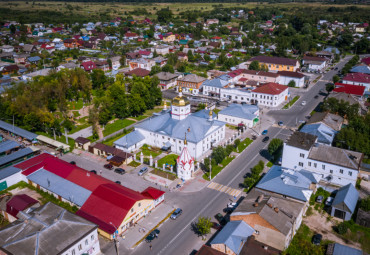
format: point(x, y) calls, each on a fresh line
point(177, 236)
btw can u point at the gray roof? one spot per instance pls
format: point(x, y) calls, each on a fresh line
point(49, 229)
point(8, 145)
point(234, 235)
point(60, 186)
point(324, 133)
point(166, 125)
point(361, 69)
point(331, 120)
point(291, 183)
point(301, 140)
point(346, 198)
point(204, 114)
point(282, 220)
point(9, 171)
point(18, 131)
point(336, 156)
point(166, 76)
point(15, 155)
point(193, 78)
point(244, 111)
point(340, 249)
point(351, 99)
point(217, 83)
point(130, 139)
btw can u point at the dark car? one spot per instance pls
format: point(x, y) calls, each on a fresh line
point(72, 162)
point(152, 235)
point(221, 219)
point(246, 175)
point(119, 171)
point(228, 210)
point(280, 123)
point(317, 96)
point(254, 137)
point(266, 139)
point(336, 68)
point(108, 166)
point(215, 225)
point(316, 239)
point(118, 182)
point(93, 171)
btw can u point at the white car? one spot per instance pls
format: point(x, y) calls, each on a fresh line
point(329, 201)
point(232, 205)
point(304, 103)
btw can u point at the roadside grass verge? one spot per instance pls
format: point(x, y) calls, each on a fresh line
point(217, 169)
point(288, 105)
point(117, 125)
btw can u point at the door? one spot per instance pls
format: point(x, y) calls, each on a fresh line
point(339, 214)
point(3, 185)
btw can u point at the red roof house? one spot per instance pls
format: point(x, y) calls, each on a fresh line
point(271, 89)
point(88, 66)
point(366, 61)
point(349, 89)
point(152, 193)
point(19, 203)
point(357, 79)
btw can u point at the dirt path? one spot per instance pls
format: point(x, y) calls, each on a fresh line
point(319, 224)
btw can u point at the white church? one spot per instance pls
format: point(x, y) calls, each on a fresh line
point(173, 128)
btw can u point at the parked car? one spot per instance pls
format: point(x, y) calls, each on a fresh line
point(221, 219)
point(216, 226)
point(119, 171)
point(176, 214)
point(336, 68)
point(93, 171)
point(108, 166)
point(316, 239)
point(266, 139)
point(178, 186)
point(317, 96)
point(152, 235)
point(232, 205)
point(329, 201)
point(142, 171)
point(303, 102)
point(264, 132)
point(118, 182)
point(319, 199)
point(72, 162)
point(254, 137)
point(280, 123)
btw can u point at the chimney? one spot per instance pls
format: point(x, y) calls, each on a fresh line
point(269, 205)
point(265, 247)
point(276, 209)
point(255, 204)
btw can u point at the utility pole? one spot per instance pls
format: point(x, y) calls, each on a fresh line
point(54, 133)
point(210, 168)
point(65, 130)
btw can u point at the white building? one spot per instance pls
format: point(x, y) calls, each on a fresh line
point(314, 63)
point(213, 87)
point(185, 164)
point(169, 127)
point(335, 166)
point(143, 63)
point(270, 94)
point(287, 76)
point(240, 114)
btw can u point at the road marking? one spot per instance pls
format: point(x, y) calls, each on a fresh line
point(224, 189)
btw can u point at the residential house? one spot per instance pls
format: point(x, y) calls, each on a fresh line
point(10, 69)
point(132, 56)
point(116, 62)
point(232, 237)
point(139, 72)
point(11, 205)
point(21, 58)
point(213, 87)
point(146, 53)
point(240, 115)
point(30, 76)
point(275, 63)
point(191, 83)
point(366, 61)
point(260, 76)
point(161, 49)
point(102, 65)
point(325, 134)
point(207, 250)
point(51, 229)
point(70, 43)
point(7, 48)
point(274, 219)
point(167, 80)
point(336, 166)
point(142, 63)
point(29, 48)
point(131, 36)
point(270, 94)
point(211, 21)
point(326, 54)
point(169, 38)
point(362, 68)
point(360, 79)
point(82, 143)
point(344, 203)
point(286, 77)
point(331, 120)
point(314, 63)
point(34, 60)
point(88, 66)
point(182, 56)
point(69, 65)
point(340, 249)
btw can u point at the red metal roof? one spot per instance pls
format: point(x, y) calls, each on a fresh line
point(290, 74)
point(271, 89)
point(357, 77)
point(152, 193)
point(85, 179)
point(275, 60)
point(33, 161)
point(18, 203)
point(366, 61)
point(350, 89)
point(88, 65)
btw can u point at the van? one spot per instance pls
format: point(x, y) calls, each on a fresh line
point(143, 171)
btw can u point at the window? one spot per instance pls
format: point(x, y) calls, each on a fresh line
point(132, 209)
point(300, 163)
point(309, 163)
point(73, 252)
point(341, 171)
point(323, 167)
point(350, 173)
point(314, 165)
point(86, 242)
point(92, 237)
point(139, 204)
point(301, 155)
point(80, 247)
point(331, 171)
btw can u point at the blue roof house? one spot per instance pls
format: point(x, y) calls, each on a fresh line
point(344, 203)
point(130, 142)
point(325, 134)
point(232, 237)
point(240, 114)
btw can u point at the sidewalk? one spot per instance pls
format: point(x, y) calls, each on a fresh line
point(132, 236)
point(195, 184)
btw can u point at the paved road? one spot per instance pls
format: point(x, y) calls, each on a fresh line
point(176, 236)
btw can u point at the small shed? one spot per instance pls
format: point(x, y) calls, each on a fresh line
point(344, 203)
point(82, 143)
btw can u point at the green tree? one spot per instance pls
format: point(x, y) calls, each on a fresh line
point(218, 154)
point(164, 15)
point(168, 68)
point(122, 60)
point(291, 83)
point(155, 69)
point(329, 86)
point(336, 78)
point(203, 225)
point(365, 204)
point(274, 146)
point(255, 65)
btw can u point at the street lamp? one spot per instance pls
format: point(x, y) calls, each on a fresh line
point(115, 237)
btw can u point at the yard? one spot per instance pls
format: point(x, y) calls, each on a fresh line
point(218, 168)
point(147, 151)
point(169, 160)
point(244, 144)
point(117, 125)
point(76, 105)
point(118, 136)
point(164, 174)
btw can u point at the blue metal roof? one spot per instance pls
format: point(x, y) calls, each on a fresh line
point(60, 186)
point(234, 235)
point(34, 59)
point(15, 155)
point(360, 69)
point(18, 131)
point(288, 182)
point(340, 249)
point(245, 111)
point(330, 48)
point(8, 145)
point(324, 133)
point(347, 195)
point(204, 114)
point(9, 171)
point(217, 83)
point(130, 139)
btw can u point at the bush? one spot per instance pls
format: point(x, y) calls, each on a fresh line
point(229, 149)
point(236, 143)
point(365, 204)
point(342, 228)
point(309, 211)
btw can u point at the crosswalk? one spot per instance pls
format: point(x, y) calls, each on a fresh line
point(225, 189)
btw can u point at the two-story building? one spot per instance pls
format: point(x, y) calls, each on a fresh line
point(191, 83)
point(275, 63)
point(167, 80)
point(286, 77)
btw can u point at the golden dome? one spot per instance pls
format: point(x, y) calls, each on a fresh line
point(180, 101)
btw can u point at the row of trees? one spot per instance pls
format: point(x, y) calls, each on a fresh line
point(253, 178)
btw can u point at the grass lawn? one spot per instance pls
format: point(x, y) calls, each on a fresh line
point(141, 117)
point(218, 168)
point(231, 126)
point(75, 105)
point(79, 127)
point(244, 144)
point(302, 243)
point(76, 114)
point(358, 234)
point(117, 125)
point(164, 174)
point(134, 164)
point(62, 139)
point(169, 159)
point(291, 102)
point(147, 151)
point(216, 110)
point(320, 192)
point(82, 120)
point(269, 164)
point(113, 139)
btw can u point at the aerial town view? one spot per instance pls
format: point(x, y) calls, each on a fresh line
point(177, 127)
